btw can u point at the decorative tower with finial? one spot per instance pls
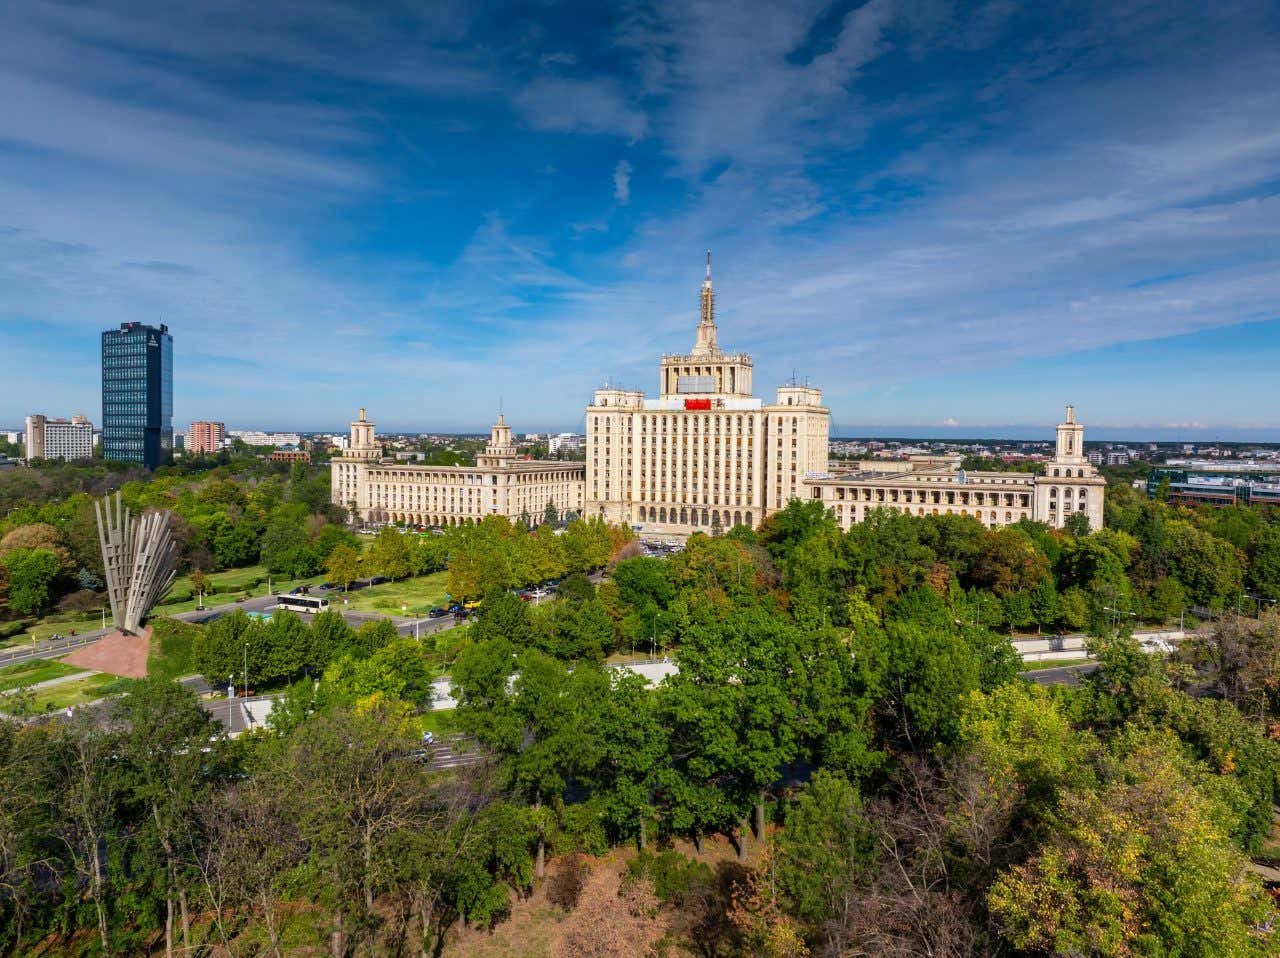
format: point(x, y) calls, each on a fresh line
point(501, 448)
point(705, 344)
point(364, 443)
point(1070, 445)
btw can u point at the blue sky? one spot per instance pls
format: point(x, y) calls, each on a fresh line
point(949, 216)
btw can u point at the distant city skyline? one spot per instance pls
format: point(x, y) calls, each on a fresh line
point(924, 209)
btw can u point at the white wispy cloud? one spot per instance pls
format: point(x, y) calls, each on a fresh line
point(622, 182)
point(1104, 181)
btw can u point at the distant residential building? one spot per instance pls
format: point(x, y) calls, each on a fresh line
point(290, 455)
point(567, 441)
point(1096, 457)
point(12, 435)
point(179, 441)
point(59, 438)
point(338, 442)
point(1118, 458)
point(137, 394)
point(206, 436)
point(253, 437)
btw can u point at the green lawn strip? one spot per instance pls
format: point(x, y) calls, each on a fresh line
point(228, 585)
point(170, 653)
point(1053, 664)
point(439, 722)
point(419, 594)
point(78, 692)
point(32, 672)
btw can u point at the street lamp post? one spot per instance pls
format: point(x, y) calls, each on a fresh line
point(246, 669)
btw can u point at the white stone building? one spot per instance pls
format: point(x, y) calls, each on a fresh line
point(706, 451)
point(59, 438)
point(936, 485)
point(379, 489)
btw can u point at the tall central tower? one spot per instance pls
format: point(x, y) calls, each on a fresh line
point(706, 370)
point(705, 344)
point(706, 452)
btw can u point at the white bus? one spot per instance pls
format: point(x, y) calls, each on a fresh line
point(302, 603)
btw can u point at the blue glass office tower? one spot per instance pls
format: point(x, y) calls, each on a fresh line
point(137, 394)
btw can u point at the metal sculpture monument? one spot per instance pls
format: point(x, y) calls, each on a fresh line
point(139, 557)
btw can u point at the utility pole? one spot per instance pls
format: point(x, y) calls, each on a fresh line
point(246, 669)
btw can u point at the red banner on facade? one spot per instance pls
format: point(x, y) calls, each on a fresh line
point(697, 404)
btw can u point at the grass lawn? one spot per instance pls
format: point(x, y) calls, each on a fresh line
point(36, 670)
point(1053, 664)
point(78, 692)
point(170, 652)
point(229, 584)
point(63, 625)
point(438, 722)
point(419, 594)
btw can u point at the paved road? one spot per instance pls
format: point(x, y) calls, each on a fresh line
point(1069, 675)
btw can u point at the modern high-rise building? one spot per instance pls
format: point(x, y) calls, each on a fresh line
point(206, 436)
point(137, 394)
point(59, 438)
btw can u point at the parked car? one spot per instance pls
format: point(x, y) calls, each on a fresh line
point(436, 612)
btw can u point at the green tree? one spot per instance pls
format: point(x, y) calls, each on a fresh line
point(390, 555)
point(169, 772)
point(826, 850)
point(1139, 867)
point(398, 670)
point(633, 745)
point(285, 544)
point(343, 565)
point(1010, 562)
point(1264, 562)
point(32, 573)
point(1045, 606)
point(1077, 525)
point(503, 615)
point(731, 720)
point(929, 672)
